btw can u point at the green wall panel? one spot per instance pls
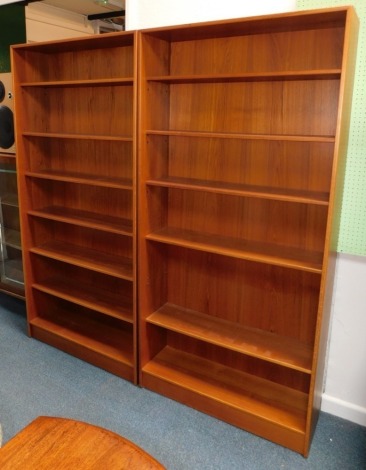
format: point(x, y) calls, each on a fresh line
point(353, 218)
point(12, 31)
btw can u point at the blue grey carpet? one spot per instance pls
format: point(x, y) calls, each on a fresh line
point(36, 379)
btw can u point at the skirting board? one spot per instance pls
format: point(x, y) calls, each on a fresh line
point(343, 409)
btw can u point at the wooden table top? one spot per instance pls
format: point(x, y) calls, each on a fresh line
point(65, 444)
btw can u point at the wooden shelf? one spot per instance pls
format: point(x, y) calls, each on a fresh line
point(248, 77)
point(242, 136)
point(90, 259)
point(80, 83)
point(95, 337)
point(249, 250)
point(85, 219)
point(108, 303)
point(236, 189)
point(253, 342)
point(61, 135)
point(231, 388)
point(73, 177)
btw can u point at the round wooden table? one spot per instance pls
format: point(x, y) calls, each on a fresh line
point(65, 444)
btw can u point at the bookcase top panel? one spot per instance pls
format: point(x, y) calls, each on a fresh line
point(291, 21)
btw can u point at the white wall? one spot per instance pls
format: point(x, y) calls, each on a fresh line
point(148, 14)
point(345, 386)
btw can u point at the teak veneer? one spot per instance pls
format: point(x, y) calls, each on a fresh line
point(228, 140)
point(51, 442)
point(76, 139)
point(243, 132)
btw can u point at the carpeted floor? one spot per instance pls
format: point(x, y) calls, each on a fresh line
point(36, 379)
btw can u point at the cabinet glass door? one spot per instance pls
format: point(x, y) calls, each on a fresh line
point(11, 266)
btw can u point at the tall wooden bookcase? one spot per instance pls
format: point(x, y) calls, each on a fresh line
point(75, 106)
point(243, 132)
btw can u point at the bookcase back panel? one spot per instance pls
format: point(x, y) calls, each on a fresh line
point(45, 232)
point(295, 50)
point(264, 221)
point(94, 199)
point(88, 64)
point(274, 164)
point(290, 378)
point(46, 269)
point(95, 327)
point(73, 110)
point(90, 157)
point(252, 294)
point(279, 108)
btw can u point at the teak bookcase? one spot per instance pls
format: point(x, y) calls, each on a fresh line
point(75, 105)
point(217, 294)
point(243, 131)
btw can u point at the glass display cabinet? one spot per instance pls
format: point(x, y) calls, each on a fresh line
point(11, 266)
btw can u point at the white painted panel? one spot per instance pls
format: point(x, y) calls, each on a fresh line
point(345, 386)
